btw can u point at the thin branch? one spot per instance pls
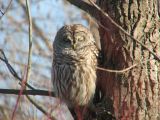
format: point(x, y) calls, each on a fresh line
point(29, 64)
point(124, 31)
point(118, 71)
point(30, 41)
point(84, 6)
point(27, 92)
point(123, 70)
point(31, 92)
point(3, 13)
point(39, 107)
point(13, 72)
point(11, 69)
point(18, 98)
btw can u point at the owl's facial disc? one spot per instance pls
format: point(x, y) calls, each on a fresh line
point(72, 42)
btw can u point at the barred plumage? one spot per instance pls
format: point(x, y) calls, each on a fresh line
point(74, 65)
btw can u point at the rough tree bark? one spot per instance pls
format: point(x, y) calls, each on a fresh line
point(135, 93)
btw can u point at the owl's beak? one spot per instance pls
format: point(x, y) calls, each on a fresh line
point(74, 46)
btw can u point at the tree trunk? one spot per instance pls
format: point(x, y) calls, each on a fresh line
point(135, 93)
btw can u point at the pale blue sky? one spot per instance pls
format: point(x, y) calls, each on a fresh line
point(49, 15)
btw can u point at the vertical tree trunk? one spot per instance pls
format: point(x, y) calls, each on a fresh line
point(135, 93)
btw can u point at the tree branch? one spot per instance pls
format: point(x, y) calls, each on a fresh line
point(3, 13)
point(124, 70)
point(39, 107)
point(13, 72)
point(31, 92)
point(85, 6)
point(30, 41)
point(27, 92)
point(11, 69)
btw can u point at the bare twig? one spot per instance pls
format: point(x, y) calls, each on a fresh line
point(124, 70)
point(124, 31)
point(84, 6)
point(3, 13)
point(117, 71)
point(29, 64)
point(27, 92)
point(34, 92)
point(30, 41)
point(18, 98)
point(11, 69)
point(24, 92)
point(39, 107)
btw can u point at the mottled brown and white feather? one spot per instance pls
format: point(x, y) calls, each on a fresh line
point(74, 65)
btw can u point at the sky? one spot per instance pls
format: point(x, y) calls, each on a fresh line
point(49, 16)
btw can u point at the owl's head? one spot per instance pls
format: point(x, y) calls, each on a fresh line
point(72, 38)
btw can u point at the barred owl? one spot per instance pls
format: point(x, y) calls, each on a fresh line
point(74, 65)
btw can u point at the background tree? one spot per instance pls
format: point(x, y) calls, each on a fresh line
point(47, 17)
point(135, 41)
point(135, 92)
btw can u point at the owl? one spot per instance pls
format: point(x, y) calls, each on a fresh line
point(74, 65)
